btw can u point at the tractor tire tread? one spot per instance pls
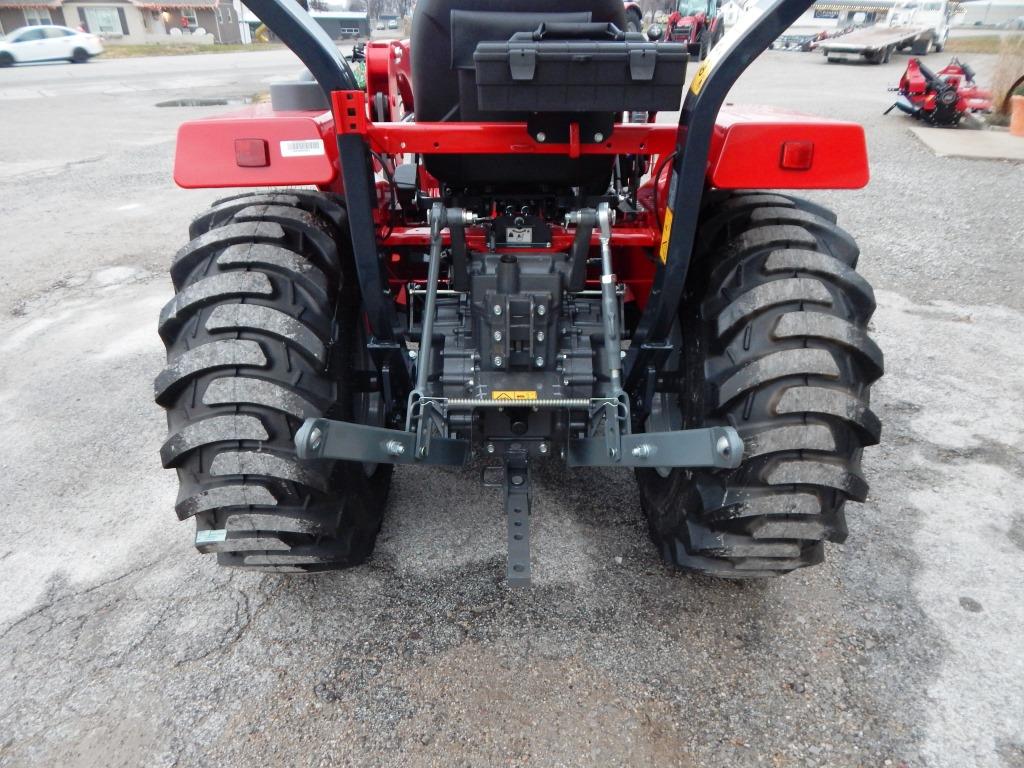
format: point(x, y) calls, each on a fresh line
point(250, 338)
point(783, 355)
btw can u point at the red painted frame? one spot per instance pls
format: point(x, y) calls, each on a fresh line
point(746, 153)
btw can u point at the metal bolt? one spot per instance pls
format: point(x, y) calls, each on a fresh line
point(543, 448)
point(490, 447)
point(497, 335)
point(517, 479)
point(316, 437)
point(497, 309)
point(722, 446)
point(470, 383)
point(542, 137)
point(394, 448)
point(423, 452)
point(598, 136)
point(565, 381)
point(539, 361)
point(622, 354)
point(412, 354)
point(642, 451)
point(541, 310)
point(540, 335)
point(498, 360)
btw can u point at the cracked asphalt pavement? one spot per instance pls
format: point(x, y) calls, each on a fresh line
point(120, 646)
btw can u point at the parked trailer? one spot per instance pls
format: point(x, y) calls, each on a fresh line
point(919, 27)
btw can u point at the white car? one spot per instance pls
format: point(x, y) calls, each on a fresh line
point(48, 43)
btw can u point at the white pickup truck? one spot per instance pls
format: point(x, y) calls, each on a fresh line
point(919, 26)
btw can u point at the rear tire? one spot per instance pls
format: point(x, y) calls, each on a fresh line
point(264, 332)
point(774, 343)
point(79, 56)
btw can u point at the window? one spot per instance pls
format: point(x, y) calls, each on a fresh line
point(189, 14)
point(103, 20)
point(28, 35)
point(37, 16)
point(56, 32)
point(224, 14)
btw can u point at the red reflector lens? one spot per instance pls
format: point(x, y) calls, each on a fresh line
point(251, 153)
point(797, 155)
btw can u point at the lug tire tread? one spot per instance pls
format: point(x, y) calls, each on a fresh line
point(780, 351)
point(253, 335)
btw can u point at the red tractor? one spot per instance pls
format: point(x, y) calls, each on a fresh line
point(698, 24)
point(944, 98)
point(634, 18)
point(476, 256)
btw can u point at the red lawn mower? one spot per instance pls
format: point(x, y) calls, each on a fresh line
point(942, 99)
point(479, 255)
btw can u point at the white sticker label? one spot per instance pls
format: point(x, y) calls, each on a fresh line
point(211, 537)
point(305, 148)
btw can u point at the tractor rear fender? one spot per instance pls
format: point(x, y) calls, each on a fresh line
point(751, 148)
point(257, 147)
point(761, 148)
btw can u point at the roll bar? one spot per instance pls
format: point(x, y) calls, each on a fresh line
point(307, 40)
point(761, 24)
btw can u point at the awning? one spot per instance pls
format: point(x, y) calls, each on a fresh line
point(880, 7)
point(177, 4)
point(19, 4)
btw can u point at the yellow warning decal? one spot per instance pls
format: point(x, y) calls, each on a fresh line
point(513, 394)
point(666, 230)
point(702, 74)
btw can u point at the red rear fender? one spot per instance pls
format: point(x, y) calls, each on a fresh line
point(758, 148)
point(299, 147)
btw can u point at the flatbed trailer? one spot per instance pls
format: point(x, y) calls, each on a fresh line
point(877, 44)
point(919, 25)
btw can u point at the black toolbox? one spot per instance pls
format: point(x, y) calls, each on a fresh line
point(579, 68)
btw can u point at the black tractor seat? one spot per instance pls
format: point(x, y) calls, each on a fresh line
point(445, 36)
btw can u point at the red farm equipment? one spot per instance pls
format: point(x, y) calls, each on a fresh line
point(485, 253)
point(634, 17)
point(944, 98)
point(697, 24)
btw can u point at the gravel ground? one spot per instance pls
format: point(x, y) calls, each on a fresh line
point(120, 646)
